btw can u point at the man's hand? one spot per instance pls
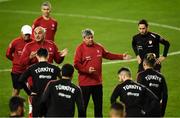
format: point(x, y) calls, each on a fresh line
point(126, 57)
point(160, 59)
point(139, 59)
point(33, 94)
point(91, 70)
point(33, 54)
point(64, 52)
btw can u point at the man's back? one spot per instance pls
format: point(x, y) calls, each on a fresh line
point(135, 98)
point(152, 80)
point(61, 96)
point(41, 73)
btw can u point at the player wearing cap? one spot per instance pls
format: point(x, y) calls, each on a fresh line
point(154, 80)
point(14, 53)
point(138, 99)
point(147, 42)
point(88, 62)
point(60, 96)
point(46, 21)
point(41, 72)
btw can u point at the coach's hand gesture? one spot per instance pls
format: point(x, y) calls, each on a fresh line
point(64, 52)
point(33, 54)
point(139, 59)
point(91, 70)
point(126, 57)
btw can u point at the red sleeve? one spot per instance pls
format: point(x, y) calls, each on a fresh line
point(78, 63)
point(10, 51)
point(57, 56)
point(111, 56)
point(25, 55)
point(35, 24)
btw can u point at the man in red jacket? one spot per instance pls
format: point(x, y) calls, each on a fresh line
point(28, 56)
point(88, 62)
point(46, 22)
point(14, 52)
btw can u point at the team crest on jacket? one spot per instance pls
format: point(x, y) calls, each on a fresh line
point(50, 49)
point(150, 42)
point(98, 51)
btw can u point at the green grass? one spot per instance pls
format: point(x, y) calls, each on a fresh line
point(114, 35)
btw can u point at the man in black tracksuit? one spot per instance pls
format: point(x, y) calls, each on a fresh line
point(138, 100)
point(41, 72)
point(60, 96)
point(147, 42)
point(154, 80)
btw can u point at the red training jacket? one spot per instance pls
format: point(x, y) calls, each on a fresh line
point(54, 54)
point(86, 57)
point(14, 52)
point(50, 26)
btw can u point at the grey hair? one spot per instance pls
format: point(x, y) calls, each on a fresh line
point(41, 28)
point(47, 3)
point(87, 32)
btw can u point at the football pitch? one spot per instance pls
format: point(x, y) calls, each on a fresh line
point(114, 23)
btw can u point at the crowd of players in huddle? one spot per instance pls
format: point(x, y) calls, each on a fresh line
point(33, 53)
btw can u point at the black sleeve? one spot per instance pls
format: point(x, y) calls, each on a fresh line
point(152, 105)
point(166, 46)
point(58, 72)
point(44, 100)
point(115, 94)
point(23, 79)
point(134, 46)
point(139, 78)
point(80, 103)
point(164, 97)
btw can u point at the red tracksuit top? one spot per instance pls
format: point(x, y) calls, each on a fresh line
point(50, 26)
point(86, 57)
point(33, 46)
point(14, 52)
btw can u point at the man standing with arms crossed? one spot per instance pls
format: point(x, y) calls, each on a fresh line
point(45, 21)
point(88, 62)
point(14, 53)
point(147, 42)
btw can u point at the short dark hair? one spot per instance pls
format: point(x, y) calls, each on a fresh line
point(15, 102)
point(67, 70)
point(46, 3)
point(42, 52)
point(143, 21)
point(125, 69)
point(119, 107)
point(150, 59)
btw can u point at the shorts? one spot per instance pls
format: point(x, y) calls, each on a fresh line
point(15, 81)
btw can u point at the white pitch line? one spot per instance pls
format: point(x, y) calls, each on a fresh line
point(91, 17)
point(110, 62)
point(96, 18)
point(4, 1)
